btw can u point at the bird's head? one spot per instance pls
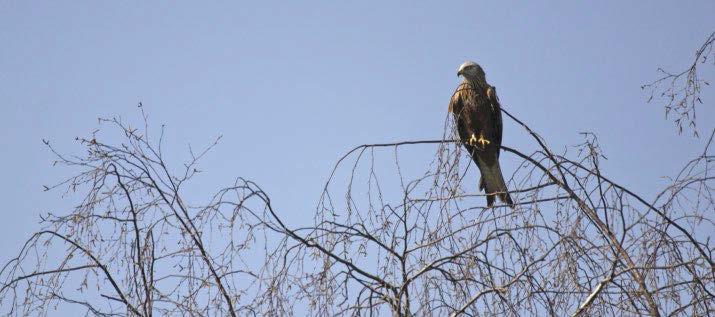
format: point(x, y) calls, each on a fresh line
point(471, 71)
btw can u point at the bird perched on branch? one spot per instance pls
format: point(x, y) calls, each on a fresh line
point(477, 115)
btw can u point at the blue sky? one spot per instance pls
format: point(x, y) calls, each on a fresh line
point(293, 86)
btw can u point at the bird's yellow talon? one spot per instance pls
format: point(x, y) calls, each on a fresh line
point(472, 140)
point(483, 141)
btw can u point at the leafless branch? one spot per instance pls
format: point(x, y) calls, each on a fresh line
point(681, 90)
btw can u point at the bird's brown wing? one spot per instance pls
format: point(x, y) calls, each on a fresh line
point(496, 116)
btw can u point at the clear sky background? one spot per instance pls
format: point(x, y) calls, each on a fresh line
point(292, 86)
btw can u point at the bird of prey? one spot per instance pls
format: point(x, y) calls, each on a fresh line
point(477, 115)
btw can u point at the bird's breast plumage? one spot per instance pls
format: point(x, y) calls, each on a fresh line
point(470, 104)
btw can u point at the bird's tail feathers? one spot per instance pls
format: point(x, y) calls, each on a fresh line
point(492, 182)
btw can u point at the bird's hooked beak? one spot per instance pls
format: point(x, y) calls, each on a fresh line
point(460, 73)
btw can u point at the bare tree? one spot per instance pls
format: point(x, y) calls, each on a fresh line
point(383, 240)
point(681, 90)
